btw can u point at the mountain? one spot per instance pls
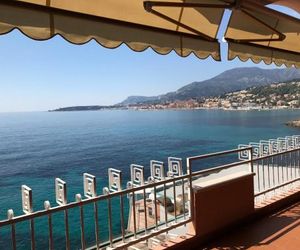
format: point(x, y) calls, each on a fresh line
point(228, 81)
point(138, 99)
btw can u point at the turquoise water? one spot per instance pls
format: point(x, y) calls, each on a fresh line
point(37, 147)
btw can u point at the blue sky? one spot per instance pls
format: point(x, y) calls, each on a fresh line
point(50, 74)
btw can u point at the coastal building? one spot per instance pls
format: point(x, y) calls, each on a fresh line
point(294, 104)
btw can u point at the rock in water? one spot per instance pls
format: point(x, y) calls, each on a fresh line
point(295, 123)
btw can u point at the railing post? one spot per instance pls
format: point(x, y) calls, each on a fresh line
point(137, 179)
point(47, 206)
point(61, 200)
point(79, 199)
point(89, 187)
point(251, 160)
point(189, 172)
point(10, 216)
point(28, 209)
point(175, 170)
point(114, 185)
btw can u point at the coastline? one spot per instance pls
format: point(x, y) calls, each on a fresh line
point(72, 109)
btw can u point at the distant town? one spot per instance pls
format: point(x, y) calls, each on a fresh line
point(273, 96)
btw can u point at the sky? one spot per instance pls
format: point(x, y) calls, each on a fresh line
point(44, 75)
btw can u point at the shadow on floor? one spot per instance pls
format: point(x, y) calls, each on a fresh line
point(268, 233)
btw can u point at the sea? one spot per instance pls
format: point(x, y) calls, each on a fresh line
point(37, 147)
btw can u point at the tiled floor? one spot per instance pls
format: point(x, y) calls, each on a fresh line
point(279, 231)
point(278, 194)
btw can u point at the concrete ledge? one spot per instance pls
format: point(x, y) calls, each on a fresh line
point(223, 201)
point(198, 185)
point(194, 240)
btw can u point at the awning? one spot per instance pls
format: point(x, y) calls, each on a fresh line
point(114, 22)
point(260, 33)
point(185, 26)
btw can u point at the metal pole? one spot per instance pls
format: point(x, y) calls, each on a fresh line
point(47, 207)
point(96, 225)
point(110, 223)
point(251, 160)
point(273, 170)
point(50, 232)
point(122, 218)
point(189, 172)
point(32, 234)
point(263, 173)
point(258, 177)
point(145, 207)
point(134, 214)
point(165, 201)
point(67, 230)
point(269, 178)
point(10, 216)
point(78, 199)
point(174, 195)
point(13, 236)
point(155, 209)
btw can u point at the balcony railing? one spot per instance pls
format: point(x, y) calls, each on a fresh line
point(150, 198)
point(276, 164)
point(148, 208)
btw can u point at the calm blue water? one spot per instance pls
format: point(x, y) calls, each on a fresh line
point(37, 147)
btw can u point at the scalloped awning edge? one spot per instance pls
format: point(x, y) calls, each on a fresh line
point(43, 25)
point(268, 55)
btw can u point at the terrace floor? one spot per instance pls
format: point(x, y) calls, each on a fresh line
point(278, 231)
point(275, 231)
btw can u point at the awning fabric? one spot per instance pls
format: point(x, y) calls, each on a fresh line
point(185, 26)
point(262, 34)
point(113, 22)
